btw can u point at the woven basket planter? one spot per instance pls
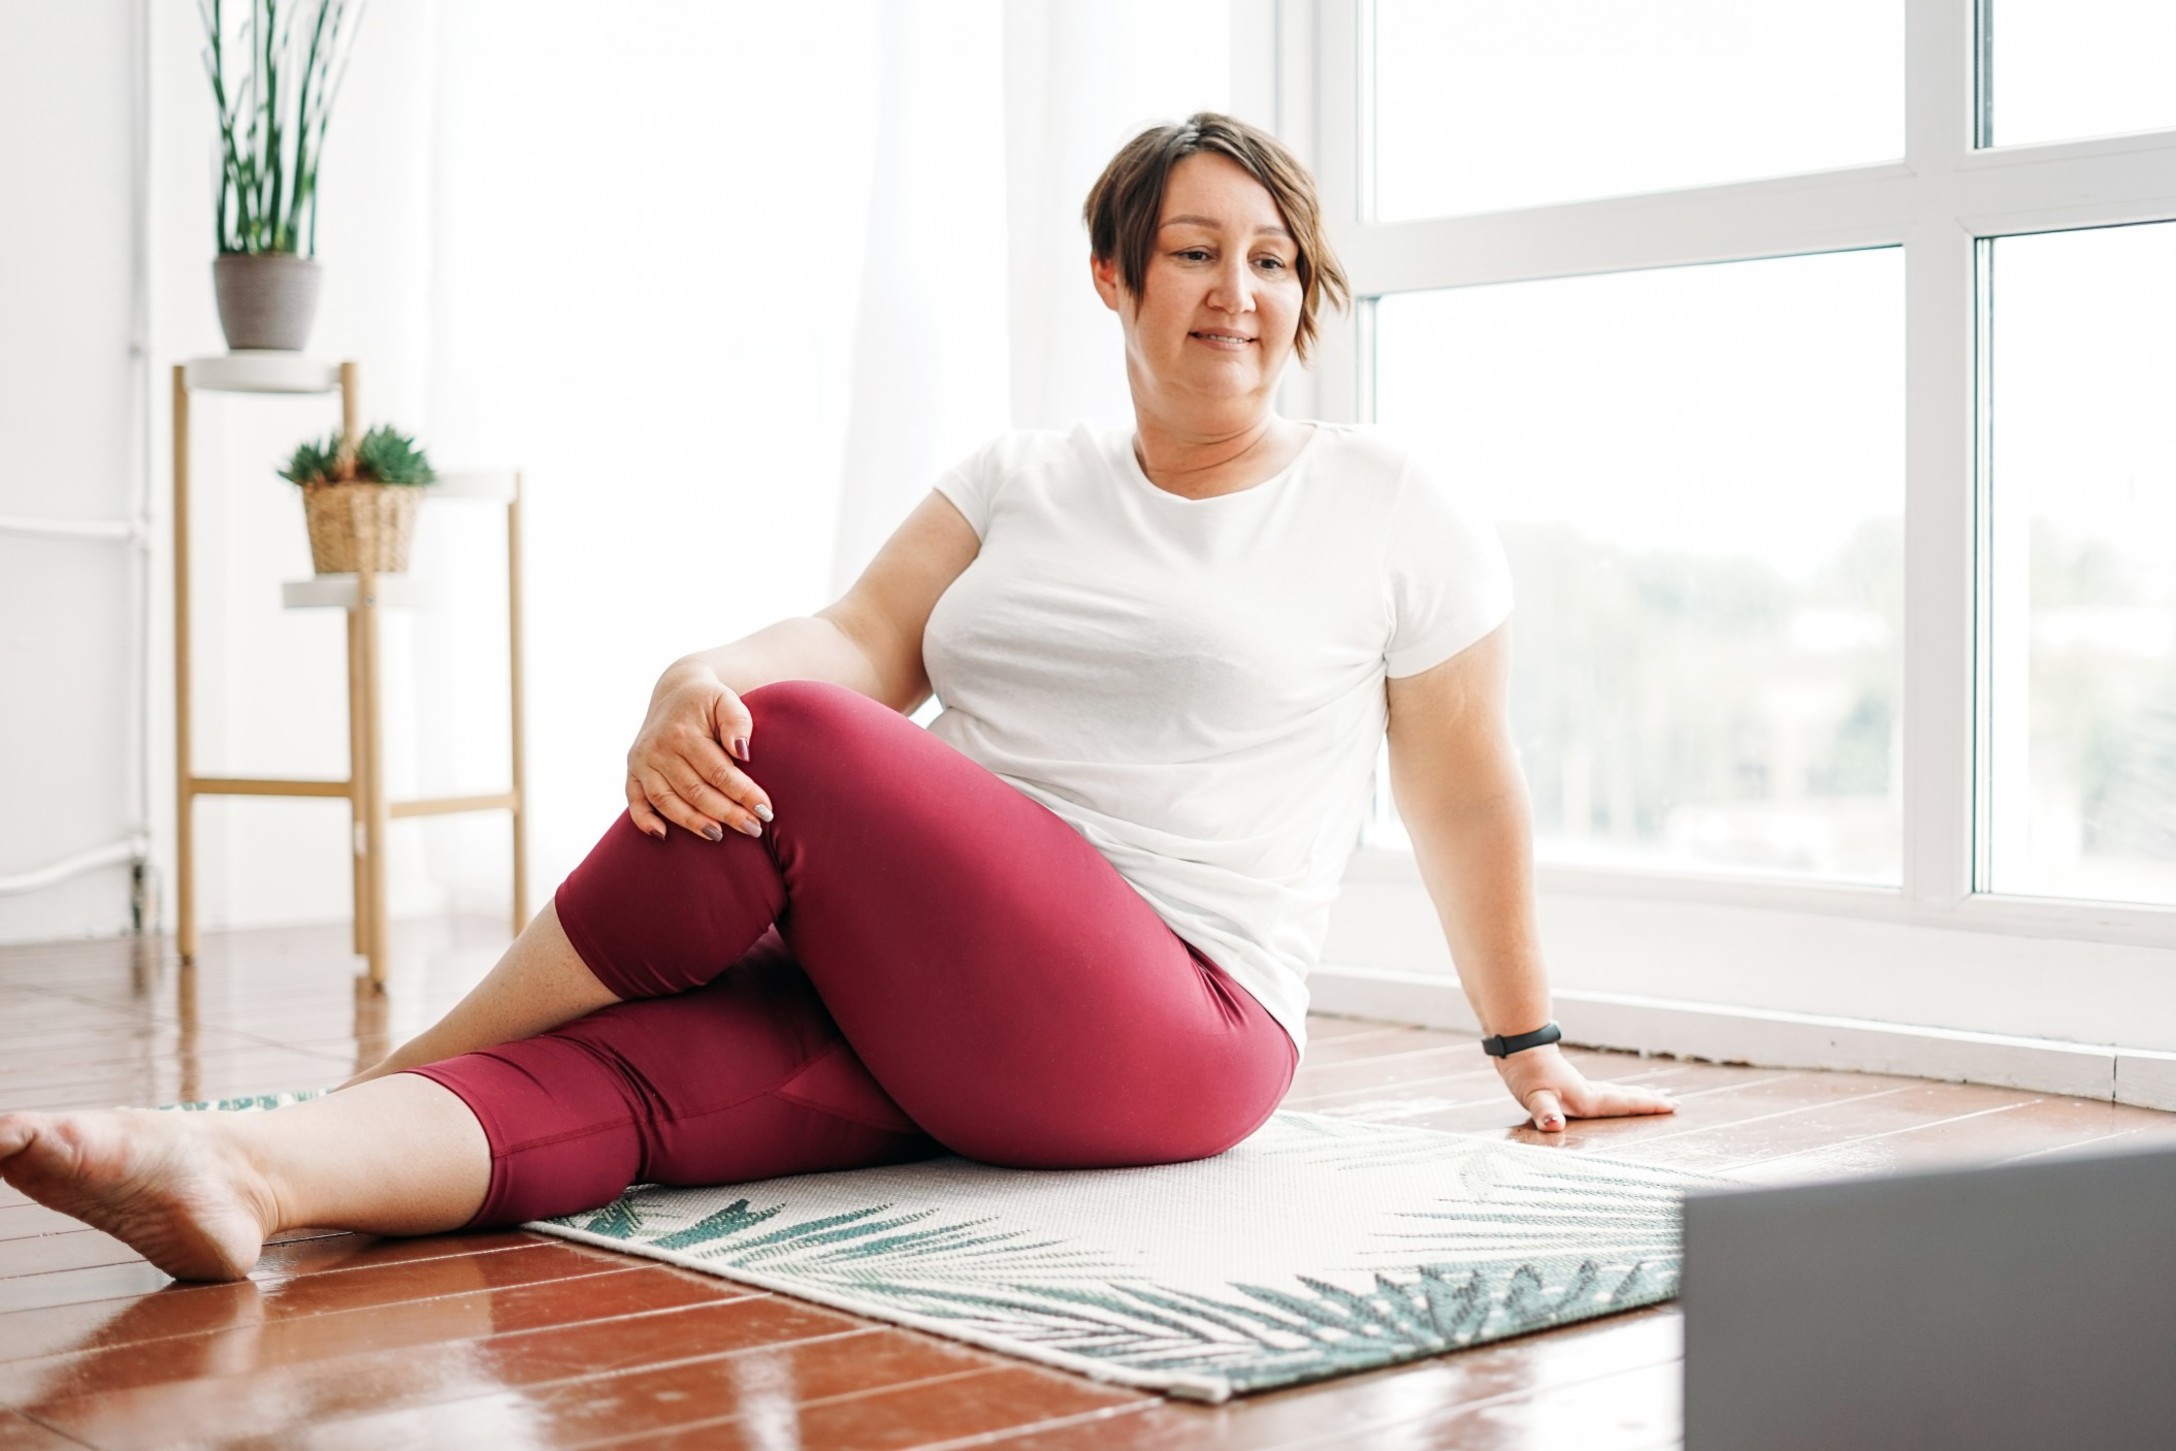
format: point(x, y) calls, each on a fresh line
point(353, 525)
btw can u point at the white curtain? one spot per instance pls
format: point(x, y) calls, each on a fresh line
point(1081, 79)
point(732, 283)
point(929, 360)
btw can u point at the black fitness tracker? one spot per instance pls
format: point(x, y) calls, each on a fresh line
point(1502, 1047)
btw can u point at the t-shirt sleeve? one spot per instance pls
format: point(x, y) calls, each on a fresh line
point(973, 482)
point(1449, 581)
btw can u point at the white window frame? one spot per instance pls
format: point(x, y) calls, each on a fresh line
point(1771, 968)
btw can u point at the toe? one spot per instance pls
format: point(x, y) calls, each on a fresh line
point(25, 1139)
point(16, 1130)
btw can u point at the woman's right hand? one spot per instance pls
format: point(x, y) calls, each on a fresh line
point(678, 770)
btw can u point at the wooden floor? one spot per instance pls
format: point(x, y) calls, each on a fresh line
point(512, 1340)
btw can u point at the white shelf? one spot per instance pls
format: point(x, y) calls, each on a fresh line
point(261, 372)
point(495, 485)
point(337, 592)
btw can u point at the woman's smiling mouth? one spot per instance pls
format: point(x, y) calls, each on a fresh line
point(1222, 340)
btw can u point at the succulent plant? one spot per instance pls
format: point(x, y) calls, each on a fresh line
point(380, 456)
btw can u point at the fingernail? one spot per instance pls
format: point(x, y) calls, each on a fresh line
point(740, 747)
point(753, 828)
point(764, 812)
point(714, 832)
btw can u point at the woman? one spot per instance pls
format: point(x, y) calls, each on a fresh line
point(1067, 925)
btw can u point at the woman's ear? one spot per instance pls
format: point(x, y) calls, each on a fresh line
point(1103, 271)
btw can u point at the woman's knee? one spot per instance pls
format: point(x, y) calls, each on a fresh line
point(797, 710)
point(810, 736)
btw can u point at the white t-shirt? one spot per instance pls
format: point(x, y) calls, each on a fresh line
point(1196, 686)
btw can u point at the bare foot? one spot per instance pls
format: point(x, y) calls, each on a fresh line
point(167, 1185)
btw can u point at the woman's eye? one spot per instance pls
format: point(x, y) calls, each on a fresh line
point(1273, 263)
point(1192, 253)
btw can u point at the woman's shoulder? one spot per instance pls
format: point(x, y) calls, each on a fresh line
point(1364, 461)
point(1363, 446)
point(1008, 455)
point(1021, 449)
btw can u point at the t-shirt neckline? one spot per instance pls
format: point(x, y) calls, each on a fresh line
point(1130, 467)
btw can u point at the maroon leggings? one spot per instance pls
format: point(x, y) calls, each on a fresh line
point(914, 958)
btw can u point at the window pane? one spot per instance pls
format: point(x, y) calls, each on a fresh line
point(2080, 688)
point(1698, 473)
point(2066, 68)
point(1486, 106)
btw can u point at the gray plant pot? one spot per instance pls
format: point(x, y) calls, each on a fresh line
point(266, 299)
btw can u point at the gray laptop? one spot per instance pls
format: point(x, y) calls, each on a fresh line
point(2025, 1307)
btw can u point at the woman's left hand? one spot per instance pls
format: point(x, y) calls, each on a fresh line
point(1549, 1087)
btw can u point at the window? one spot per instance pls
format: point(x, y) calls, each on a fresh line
point(1482, 107)
point(1698, 473)
point(2080, 565)
point(2055, 69)
point(1826, 439)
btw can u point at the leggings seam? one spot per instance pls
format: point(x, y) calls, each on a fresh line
point(568, 1136)
point(636, 1121)
point(500, 1151)
point(502, 1165)
point(778, 1094)
point(647, 1110)
point(853, 1118)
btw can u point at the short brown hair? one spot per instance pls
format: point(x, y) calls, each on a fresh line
point(1127, 202)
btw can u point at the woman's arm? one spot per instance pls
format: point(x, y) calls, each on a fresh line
point(1456, 780)
point(682, 768)
point(804, 647)
point(871, 639)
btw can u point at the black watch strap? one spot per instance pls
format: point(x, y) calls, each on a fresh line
point(1501, 1047)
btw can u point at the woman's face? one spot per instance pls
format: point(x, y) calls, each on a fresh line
point(1221, 306)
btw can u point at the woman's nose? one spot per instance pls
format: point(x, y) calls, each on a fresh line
point(1233, 289)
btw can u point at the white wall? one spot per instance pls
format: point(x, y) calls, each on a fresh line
point(68, 766)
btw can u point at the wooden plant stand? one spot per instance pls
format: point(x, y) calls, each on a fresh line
point(363, 596)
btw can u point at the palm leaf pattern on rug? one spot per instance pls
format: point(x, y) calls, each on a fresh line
point(860, 1247)
point(251, 1103)
point(1262, 1336)
point(1516, 1239)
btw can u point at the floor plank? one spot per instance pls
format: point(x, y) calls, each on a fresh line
point(667, 1396)
point(20, 1221)
point(1805, 1115)
point(1986, 1135)
point(19, 1433)
point(387, 1395)
point(926, 1413)
point(449, 1296)
point(93, 1309)
point(1362, 1410)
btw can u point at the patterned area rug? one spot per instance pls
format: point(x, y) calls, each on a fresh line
point(1318, 1247)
